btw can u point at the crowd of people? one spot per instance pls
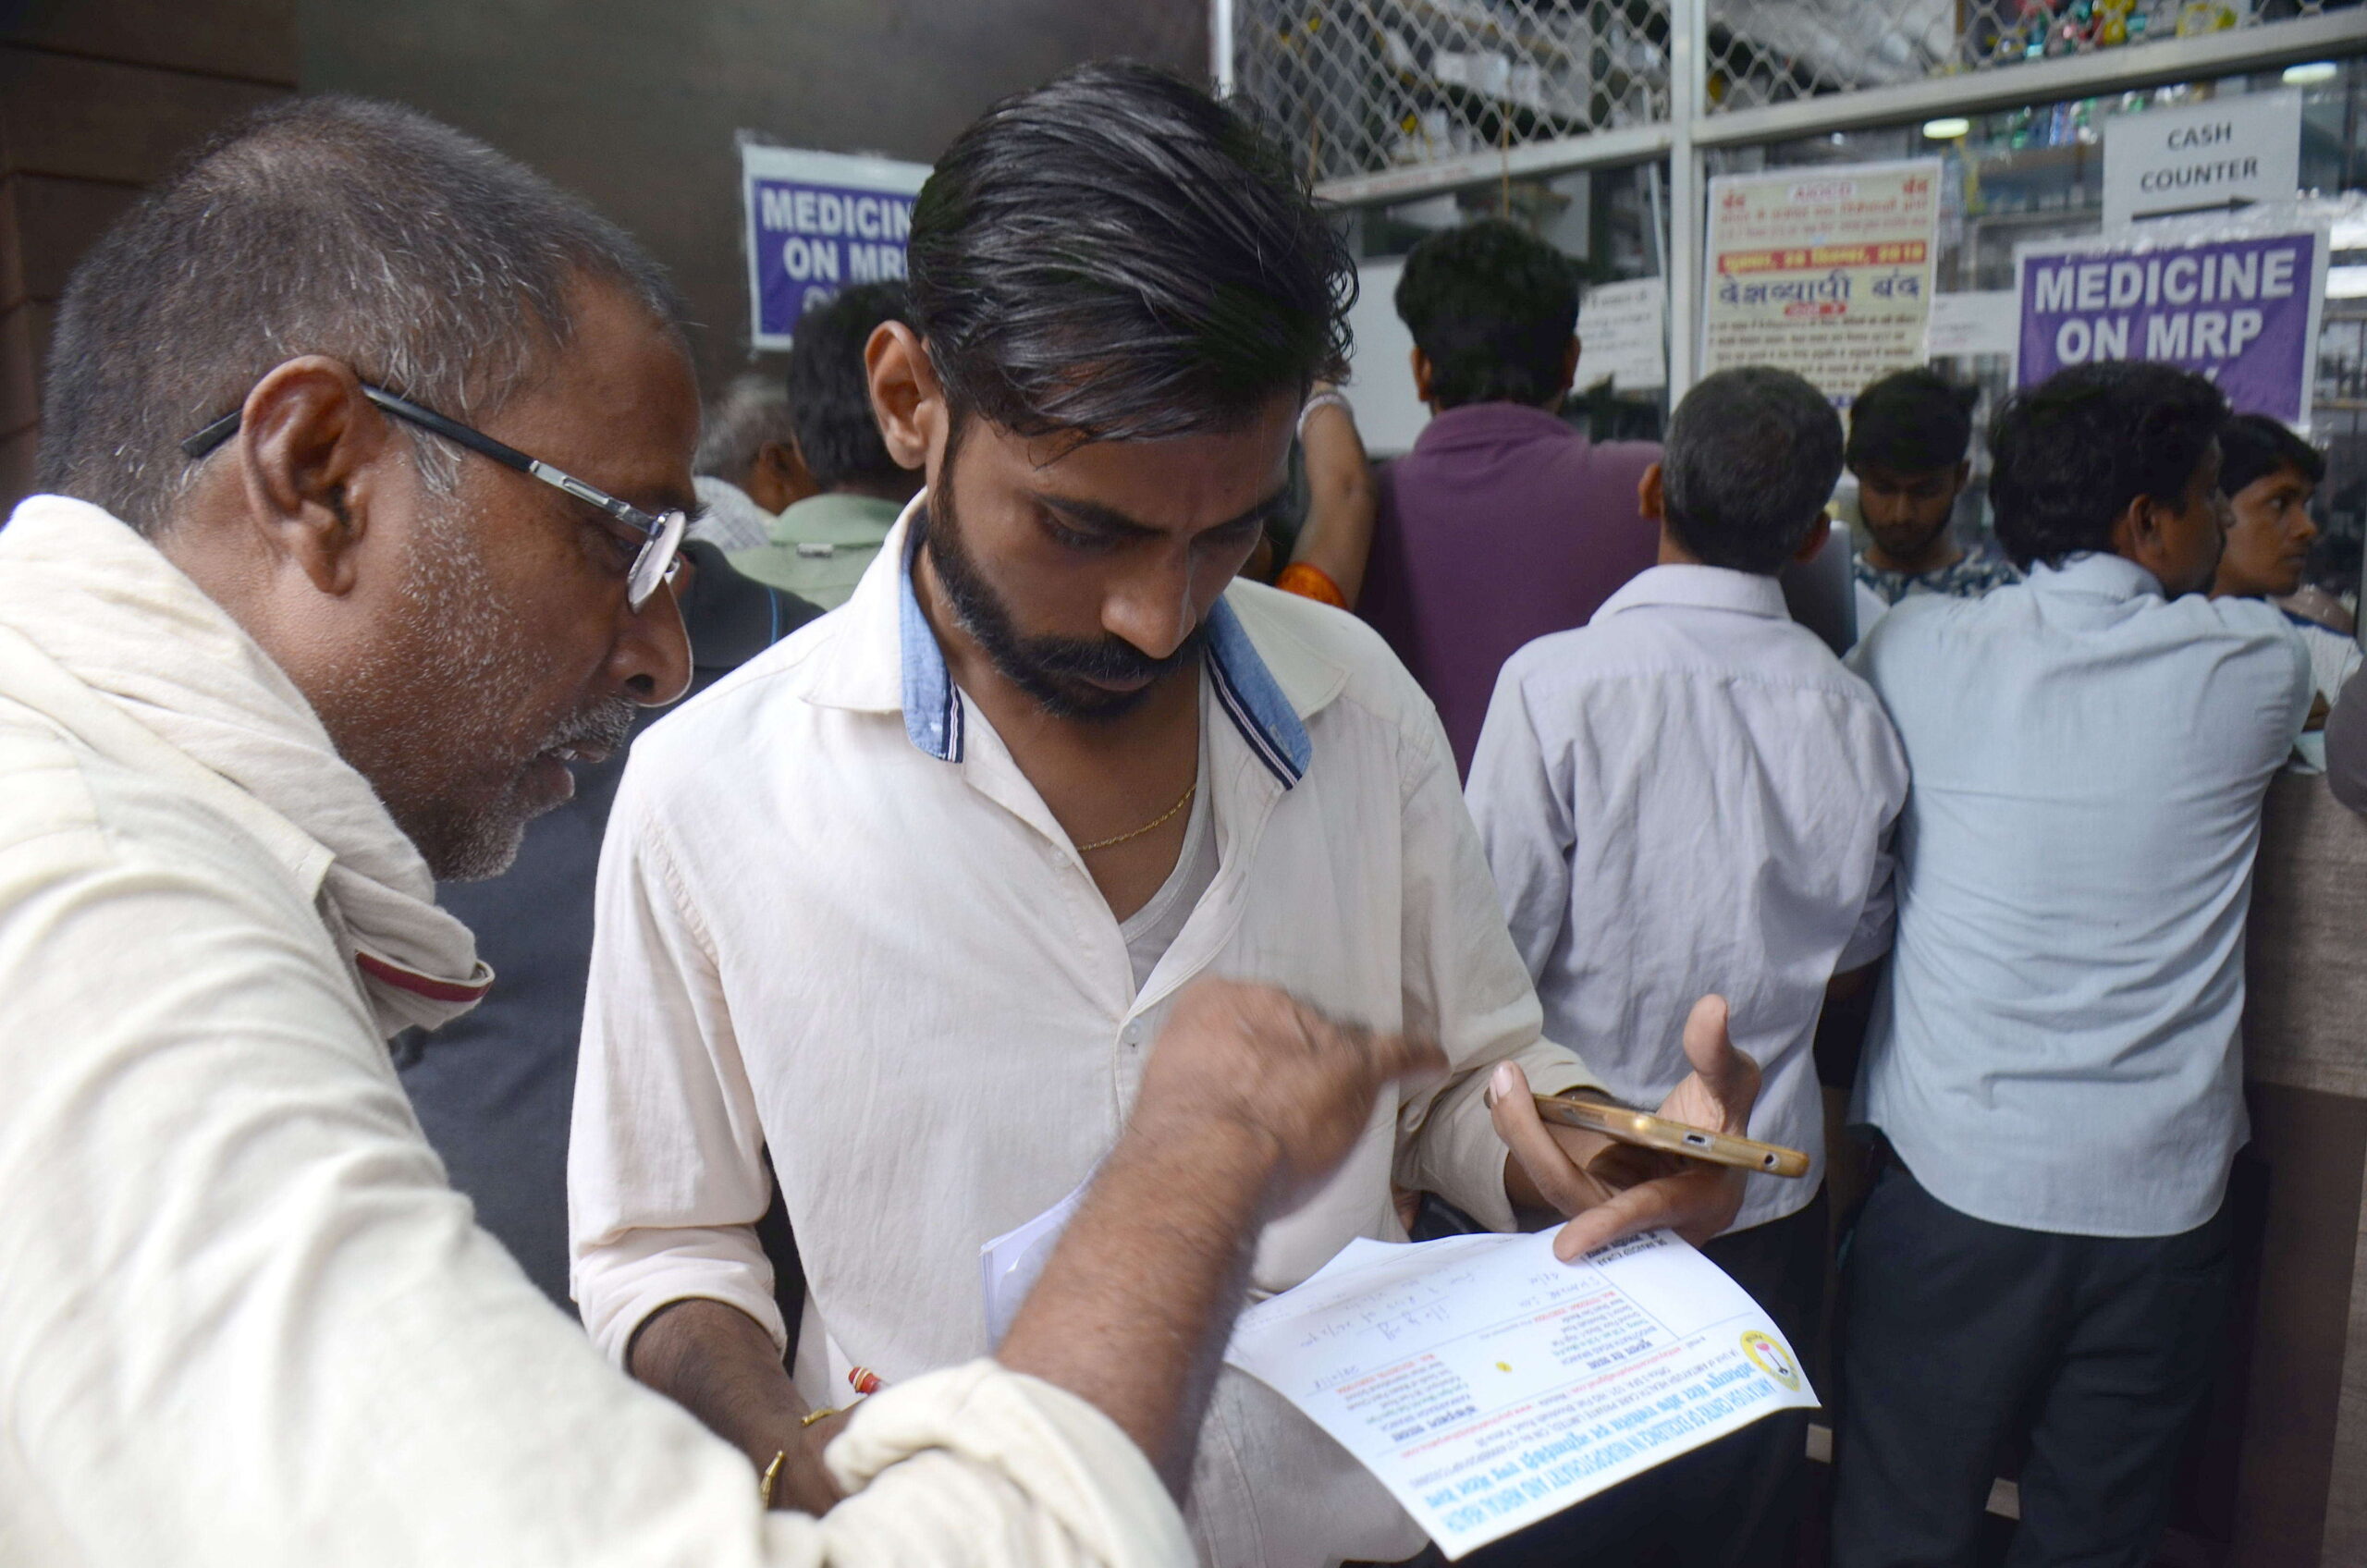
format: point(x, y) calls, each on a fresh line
point(1099, 781)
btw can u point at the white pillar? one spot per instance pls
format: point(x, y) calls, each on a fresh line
point(1687, 72)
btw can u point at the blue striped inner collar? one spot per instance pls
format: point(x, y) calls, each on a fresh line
point(1245, 689)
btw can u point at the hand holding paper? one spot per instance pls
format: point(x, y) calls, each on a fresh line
point(1612, 1190)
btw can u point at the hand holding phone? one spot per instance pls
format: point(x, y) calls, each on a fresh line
point(1647, 1131)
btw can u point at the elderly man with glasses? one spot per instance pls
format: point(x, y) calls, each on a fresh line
point(259, 686)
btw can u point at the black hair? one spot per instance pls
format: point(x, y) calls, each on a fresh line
point(2070, 454)
point(1912, 421)
point(2252, 447)
point(1493, 307)
point(829, 393)
point(2334, 562)
point(431, 264)
point(1751, 458)
point(1117, 256)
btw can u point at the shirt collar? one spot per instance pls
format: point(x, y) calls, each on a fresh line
point(1701, 587)
point(1485, 425)
point(2099, 572)
point(837, 519)
point(885, 656)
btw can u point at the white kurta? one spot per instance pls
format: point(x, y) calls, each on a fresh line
point(244, 1319)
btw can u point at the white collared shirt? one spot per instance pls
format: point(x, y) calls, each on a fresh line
point(2055, 1046)
point(837, 921)
point(244, 1320)
point(1690, 794)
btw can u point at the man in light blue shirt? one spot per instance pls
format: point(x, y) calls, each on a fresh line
point(2055, 1053)
point(1688, 794)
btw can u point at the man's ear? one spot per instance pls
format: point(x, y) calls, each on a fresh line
point(2137, 532)
point(1649, 500)
point(1814, 543)
point(1421, 363)
point(1570, 365)
point(781, 478)
point(309, 448)
point(906, 396)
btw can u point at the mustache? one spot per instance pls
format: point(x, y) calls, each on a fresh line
point(1109, 658)
point(607, 723)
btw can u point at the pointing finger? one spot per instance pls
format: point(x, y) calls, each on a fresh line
point(1408, 1058)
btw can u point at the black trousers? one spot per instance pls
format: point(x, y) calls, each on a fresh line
point(1957, 1335)
point(1732, 1504)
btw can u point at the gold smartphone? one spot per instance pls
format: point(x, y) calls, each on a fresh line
point(1647, 1131)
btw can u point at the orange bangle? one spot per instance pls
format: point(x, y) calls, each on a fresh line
point(1311, 583)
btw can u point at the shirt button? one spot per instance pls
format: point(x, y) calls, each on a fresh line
point(1133, 1036)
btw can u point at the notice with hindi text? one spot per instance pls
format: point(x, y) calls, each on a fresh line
point(1824, 272)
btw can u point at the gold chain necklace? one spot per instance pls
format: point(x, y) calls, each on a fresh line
point(1159, 821)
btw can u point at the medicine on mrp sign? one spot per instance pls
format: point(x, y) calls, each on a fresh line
point(2242, 309)
point(815, 222)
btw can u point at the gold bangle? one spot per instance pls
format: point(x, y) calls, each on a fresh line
point(772, 1474)
point(822, 1415)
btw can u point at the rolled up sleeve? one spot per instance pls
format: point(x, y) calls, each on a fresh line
point(980, 1464)
point(665, 1171)
point(1465, 986)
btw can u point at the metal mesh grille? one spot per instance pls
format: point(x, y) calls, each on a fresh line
point(1768, 50)
point(1361, 86)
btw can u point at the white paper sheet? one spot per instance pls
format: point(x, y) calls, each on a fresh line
point(1487, 1384)
point(1011, 1262)
point(1621, 326)
point(1981, 323)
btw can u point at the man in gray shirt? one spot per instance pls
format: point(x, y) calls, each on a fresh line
point(1691, 790)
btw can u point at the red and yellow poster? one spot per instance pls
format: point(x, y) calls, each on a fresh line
point(1826, 272)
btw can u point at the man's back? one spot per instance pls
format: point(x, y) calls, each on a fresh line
point(819, 548)
point(2055, 1047)
point(1692, 794)
point(1503, 524)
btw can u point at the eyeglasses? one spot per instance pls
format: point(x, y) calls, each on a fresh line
point(661, 533)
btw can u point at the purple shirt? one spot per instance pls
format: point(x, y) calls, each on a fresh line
point(1501, 525)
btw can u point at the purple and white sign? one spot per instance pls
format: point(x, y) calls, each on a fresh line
point(2240, 307)
point(816, 223)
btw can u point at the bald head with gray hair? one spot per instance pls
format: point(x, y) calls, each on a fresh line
point(752, 414)
point(434, 266)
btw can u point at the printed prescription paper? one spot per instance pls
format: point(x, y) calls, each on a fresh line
point(1487, 1384)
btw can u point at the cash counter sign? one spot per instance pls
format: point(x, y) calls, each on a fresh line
point(2212, 157)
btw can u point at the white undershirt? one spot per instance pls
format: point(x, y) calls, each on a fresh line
point(1153, 929)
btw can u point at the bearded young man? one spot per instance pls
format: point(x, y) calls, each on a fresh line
point(299, 627)
point(1048, 764)
point(1909, 435)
